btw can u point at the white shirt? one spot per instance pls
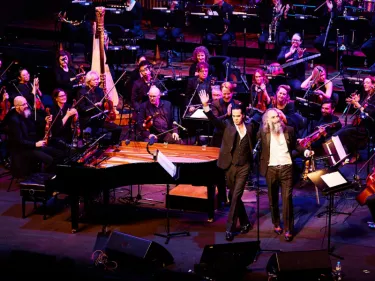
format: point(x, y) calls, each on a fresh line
point(239, 132)
point(279, 153)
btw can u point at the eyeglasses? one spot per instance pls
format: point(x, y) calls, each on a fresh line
point(61, 96)
point(296, 40)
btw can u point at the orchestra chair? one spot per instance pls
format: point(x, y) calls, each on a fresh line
point(220, 63)
point(215, 44)
point(37, 188)
point(119, 36)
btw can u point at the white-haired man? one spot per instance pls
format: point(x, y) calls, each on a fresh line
point(277, 142)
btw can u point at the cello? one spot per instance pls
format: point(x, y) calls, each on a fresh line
point(368, 190)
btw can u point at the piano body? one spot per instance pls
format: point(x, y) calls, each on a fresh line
point(103, 169)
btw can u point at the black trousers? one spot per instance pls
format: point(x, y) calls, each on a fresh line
point(276, 177)
point(236, 181)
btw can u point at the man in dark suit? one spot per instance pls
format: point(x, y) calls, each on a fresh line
point(235, 159)
point(277, 142)
point(24, 145)
point(156, 116)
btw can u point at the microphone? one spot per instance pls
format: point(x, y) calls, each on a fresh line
point(152, 140)
point(256, 147)
point(178, 125)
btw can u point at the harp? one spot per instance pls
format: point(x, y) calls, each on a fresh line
point(98, 62)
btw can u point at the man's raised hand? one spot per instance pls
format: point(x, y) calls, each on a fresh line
point(204, 97)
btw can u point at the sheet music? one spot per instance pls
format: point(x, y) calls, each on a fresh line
point(339, 148)
point(333, 179)
point(168, 166)
point(199, 114)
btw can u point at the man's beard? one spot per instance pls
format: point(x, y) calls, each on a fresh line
point(276, 127)
point(26, 113)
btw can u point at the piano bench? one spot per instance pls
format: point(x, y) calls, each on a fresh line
point(192, 198)
point(36, 188)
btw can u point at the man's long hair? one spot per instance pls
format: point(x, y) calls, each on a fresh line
point(266, 122)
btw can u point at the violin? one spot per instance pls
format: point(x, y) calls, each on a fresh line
point(368, 190)
point(317, 134)
point(75, 125)
point(5, 104)
point(149, 121)
point(38, 102)
point(108, 105)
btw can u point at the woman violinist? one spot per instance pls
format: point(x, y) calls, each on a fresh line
point(62, 117)
point(355, 136)
point(5, 104)
point(319, 87)
point(261, 91)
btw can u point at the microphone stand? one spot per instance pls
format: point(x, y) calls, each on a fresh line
point(2, 74)
point(191, 99)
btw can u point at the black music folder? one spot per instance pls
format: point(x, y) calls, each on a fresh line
point(329, 181)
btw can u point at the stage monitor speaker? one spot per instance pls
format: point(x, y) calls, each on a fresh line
point(300, 265)
point(122, 247)
point(227, 259)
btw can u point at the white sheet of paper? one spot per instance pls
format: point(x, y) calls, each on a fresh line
point(168, 166)
point(333, 179)
point(199, 114)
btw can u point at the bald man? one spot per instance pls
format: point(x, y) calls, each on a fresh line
point(23, 145)
point(161, 115)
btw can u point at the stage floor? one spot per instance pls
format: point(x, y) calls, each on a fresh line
point(351, 238)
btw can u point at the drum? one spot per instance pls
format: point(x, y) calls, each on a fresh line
point(369, 5)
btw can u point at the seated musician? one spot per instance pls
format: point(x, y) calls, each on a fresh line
point(91, 109)
point(225, 12)
point(24, 146)
point(5, 107)
point(261, 93)
point(29, 90)
point(332, 9)
point(64, 123)
point(155, 117)
point(216, 92)
point(132, 18)
point(355, 136)
point(318, 86)
point(195, 85)
point(282, 101)
point(141, 86)
point(65, 75)
point(275, 13)
point(324, 128)
point(132, 76)
point(368, 47)
point(171, 30)
point(200, 54)
point(296, 73)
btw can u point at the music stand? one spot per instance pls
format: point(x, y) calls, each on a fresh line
point(330, 181)
point(173, 171)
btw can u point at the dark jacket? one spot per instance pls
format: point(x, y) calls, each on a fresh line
point(229, 136)
point(265, 142)
point(296, 71)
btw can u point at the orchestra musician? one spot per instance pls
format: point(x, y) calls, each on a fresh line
point(355, 136)
point(156, 116)
point(64, 117)
point(216, 93)
point(225, 12)
point(195, 85)
point(295, 73)
point(91, 109)
point(235, 159)
point(200, 54)
point(261, 93)
point(29, 90)
point(333, 9)
point(275, 13)
point(132, 18)
point(318, 85)
point(65, 75)
point(24, 146)
point(133, 76)
point(277, 142)
point(321, 128)
point(141, 86)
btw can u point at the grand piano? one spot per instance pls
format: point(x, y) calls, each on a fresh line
point(101, 169)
